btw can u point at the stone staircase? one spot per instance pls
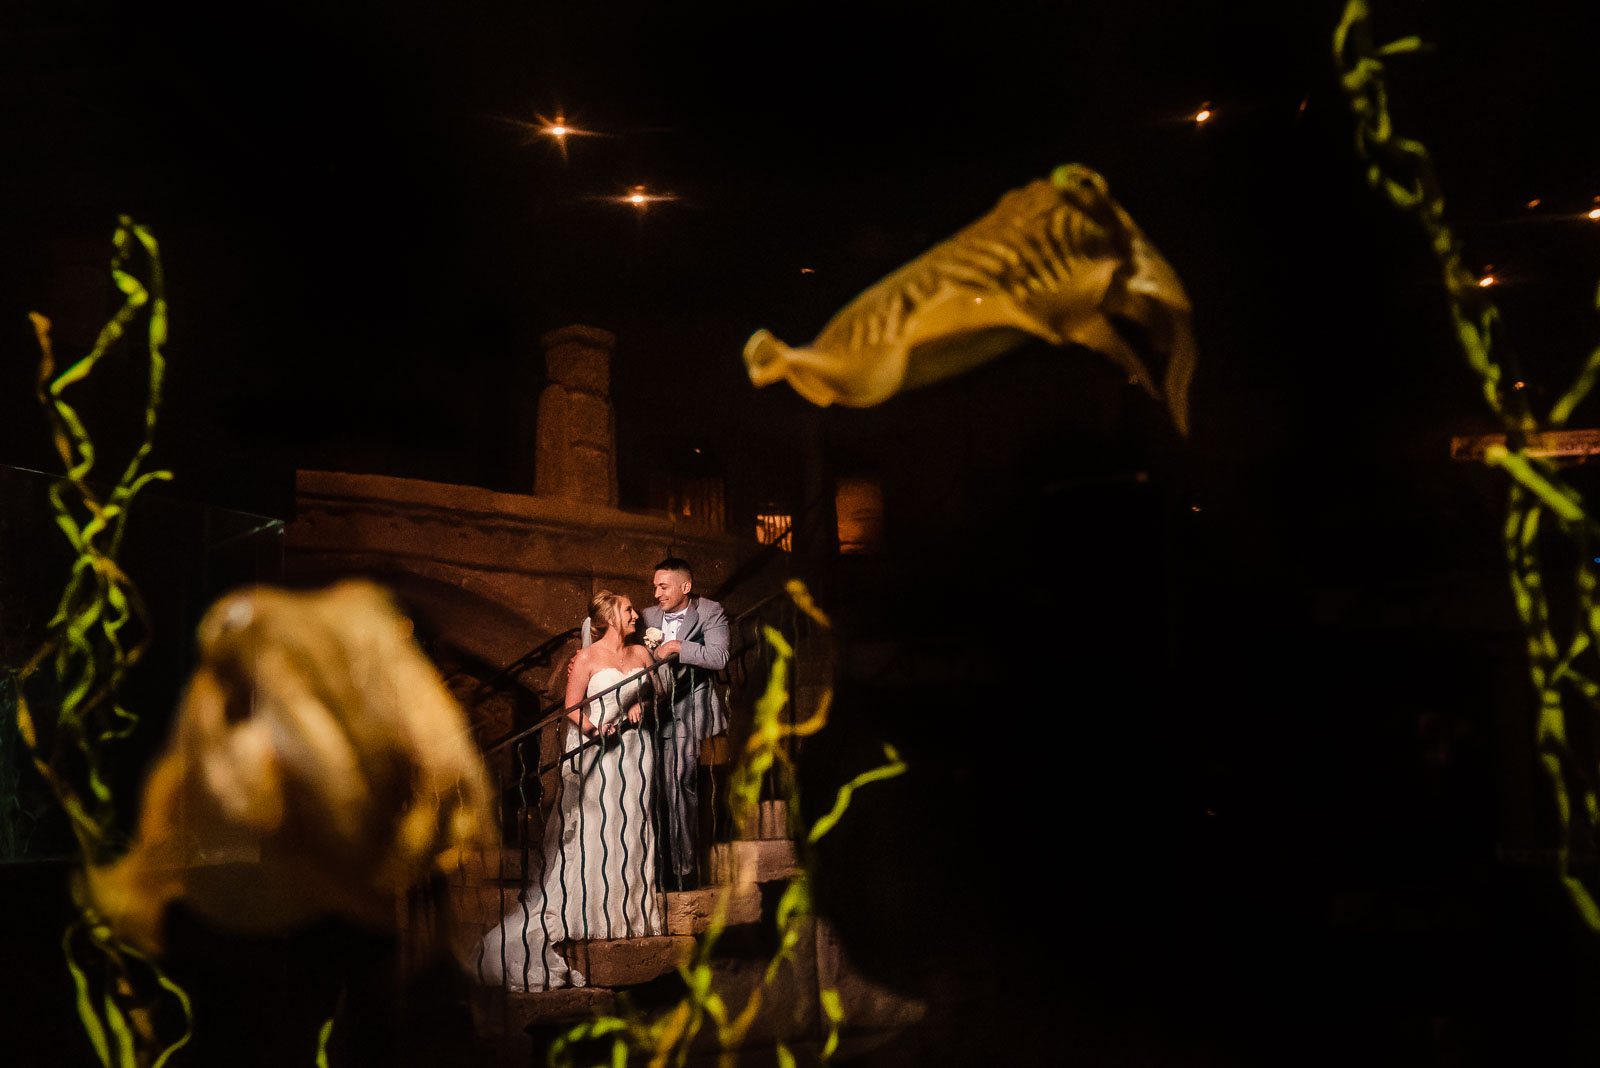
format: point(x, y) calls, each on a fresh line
point(485, 889)
point(750, 869)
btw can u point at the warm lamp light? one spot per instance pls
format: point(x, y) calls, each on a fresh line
point(1203, 116)
point(557, 130)
point(641, 198)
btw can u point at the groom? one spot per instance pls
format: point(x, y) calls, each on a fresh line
point(696, 632)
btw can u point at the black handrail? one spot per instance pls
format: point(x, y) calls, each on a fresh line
point(552, 714)
point(538, 653)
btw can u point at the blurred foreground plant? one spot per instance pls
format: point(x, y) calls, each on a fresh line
point(667, 1038)
point(99, 631)
point(1562, 661)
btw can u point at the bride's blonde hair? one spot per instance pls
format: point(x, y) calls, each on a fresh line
point(604, 611)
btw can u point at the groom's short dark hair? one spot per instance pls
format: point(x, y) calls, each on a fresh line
point(676, 563)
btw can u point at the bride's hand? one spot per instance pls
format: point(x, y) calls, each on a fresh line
point(635, 714)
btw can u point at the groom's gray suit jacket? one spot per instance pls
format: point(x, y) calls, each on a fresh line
point(703, 638)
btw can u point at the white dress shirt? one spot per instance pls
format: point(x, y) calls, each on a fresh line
point(669, 624)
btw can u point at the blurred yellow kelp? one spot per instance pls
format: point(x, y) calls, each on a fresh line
point(317, 767)
point(1059, 260)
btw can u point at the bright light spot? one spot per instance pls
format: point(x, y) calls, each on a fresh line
point(1594, 213)
point(1519, 385)
point(807, 270)
point(639, 198)
point(1194, 508)
point(1486, 281)
point(1203, 116)
point(977, 300)
point(1534, 203)
point(557, 130)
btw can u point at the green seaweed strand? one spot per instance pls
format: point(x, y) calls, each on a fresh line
point(90, 653)
point(86, 644)
point(1402, 170)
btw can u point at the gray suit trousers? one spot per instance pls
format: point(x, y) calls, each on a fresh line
point(679, 761)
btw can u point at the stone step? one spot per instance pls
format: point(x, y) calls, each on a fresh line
point(759, 861)
point(503, 1012)
point(628, 961)
point(618, 962)
point(478, 909)
point(689, 912)
point(769, 819)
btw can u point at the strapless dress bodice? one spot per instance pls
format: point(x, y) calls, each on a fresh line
point(612, 702)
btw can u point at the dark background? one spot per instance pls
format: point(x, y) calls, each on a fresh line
point(1229, 764)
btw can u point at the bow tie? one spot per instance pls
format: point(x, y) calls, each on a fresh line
point(674, 617)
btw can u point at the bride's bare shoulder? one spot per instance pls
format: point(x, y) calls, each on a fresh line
point(581, 665)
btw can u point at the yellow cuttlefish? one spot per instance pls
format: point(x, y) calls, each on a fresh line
point(1056, 260)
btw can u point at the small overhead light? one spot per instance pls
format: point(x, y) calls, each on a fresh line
point(1203, 116)
point(1534, 203)
point(641, 198)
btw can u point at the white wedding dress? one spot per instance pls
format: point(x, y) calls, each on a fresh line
point(598, 863)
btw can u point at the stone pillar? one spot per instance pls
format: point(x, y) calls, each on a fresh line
point(576, 456)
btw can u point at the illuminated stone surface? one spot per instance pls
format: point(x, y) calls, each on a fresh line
point(752, 861)
point(689, 912)
point(770, 819)
point(627, 961)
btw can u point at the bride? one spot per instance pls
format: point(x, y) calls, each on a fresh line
point(598, 861)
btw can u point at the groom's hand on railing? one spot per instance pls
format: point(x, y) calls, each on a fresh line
point(668, 649)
